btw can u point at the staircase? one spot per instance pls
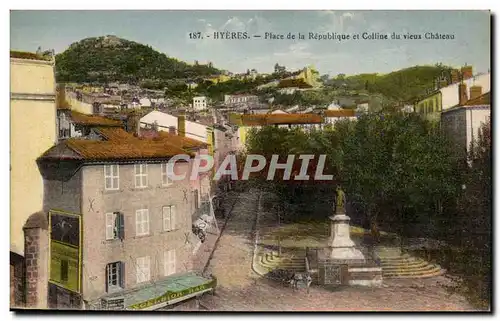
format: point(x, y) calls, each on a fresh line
point(291, 262)
point(403, 266)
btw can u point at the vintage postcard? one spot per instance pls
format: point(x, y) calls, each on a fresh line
point(250, 160)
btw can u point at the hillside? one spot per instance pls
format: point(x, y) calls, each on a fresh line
point(109, 59)
point(401, 85)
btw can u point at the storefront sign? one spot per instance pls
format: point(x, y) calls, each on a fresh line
point(65, 250)
point(171, 296)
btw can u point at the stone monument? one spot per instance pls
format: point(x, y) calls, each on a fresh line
point(340, 262)
point(341, 247)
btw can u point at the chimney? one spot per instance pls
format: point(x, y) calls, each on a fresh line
point(455, 76)
point(462, 94)
point(475, 91)
point(172, 130)
point(466, 72)
point(181, 125)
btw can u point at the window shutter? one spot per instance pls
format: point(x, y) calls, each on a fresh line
point(138, 219)
point(122, 275)
point(120, 219)
point(173, 217)
point(109, 226)
point(106, 279)
point(145, 218)
point(172, 261)
point(166, 218)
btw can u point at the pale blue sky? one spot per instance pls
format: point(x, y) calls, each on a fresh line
point(167, 31)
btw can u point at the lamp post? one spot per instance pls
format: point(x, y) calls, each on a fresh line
point(279, 237)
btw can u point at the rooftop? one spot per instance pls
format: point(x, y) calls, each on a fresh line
point(276, 119)
point(340, 113)
point(114, 133)
point(484, 99)
point(113, 149)
point(179, 141)
point(93, 120)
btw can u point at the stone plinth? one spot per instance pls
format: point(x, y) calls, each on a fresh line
point(341, 247)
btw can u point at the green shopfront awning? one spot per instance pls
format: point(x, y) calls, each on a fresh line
point(169, 291)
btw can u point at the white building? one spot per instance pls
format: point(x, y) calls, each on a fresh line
point(449, 97)
point(279, 111)
point(333, 106)
point(240, 99)
point(165, 122)
point(162, 120)
point(200, 103)
point(332, 116)
point(145, 102)
point(191, 85)
point(363, 107)
point(462, 122)
point(288, 90)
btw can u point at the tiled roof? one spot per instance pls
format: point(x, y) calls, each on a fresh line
point(179, 141)
point(93, 120)
point(340, 113)
point(114, 133)
point(27, 55)
point(132, 149)
point(484, 99)
point(276, 119)
point(182, 141)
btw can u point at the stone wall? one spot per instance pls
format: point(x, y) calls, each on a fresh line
point(16, 280)
point(36, 260)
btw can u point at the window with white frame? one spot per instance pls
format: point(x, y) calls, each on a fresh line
point(115, 226)
point(143, 269)
point(115, 276)
point(169, 218)
point(142, 222)
point(111, 177)
point(165, 179)
point(169, 262)
point(141, 175)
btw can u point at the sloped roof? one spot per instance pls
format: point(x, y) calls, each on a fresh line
point(95, 150)
point(340, 113)
point(277, 119)
point(114, 133)
point(179, 141)
point(484, 99)
point(93, 120)
point(182, 141)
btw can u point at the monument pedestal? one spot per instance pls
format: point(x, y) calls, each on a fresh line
point(341, 247)
point(340, 262)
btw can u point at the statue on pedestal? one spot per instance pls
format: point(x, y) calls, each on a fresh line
point(340, 201)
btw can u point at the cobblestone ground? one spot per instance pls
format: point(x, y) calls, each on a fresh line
point(240, 289)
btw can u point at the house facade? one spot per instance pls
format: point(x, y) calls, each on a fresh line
point(446, 97)
point(246, 122)
point(333, 116)
point(463, 122)
point(240, 99)
point(32, 131)
point(136, 234)
point(200, 103)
